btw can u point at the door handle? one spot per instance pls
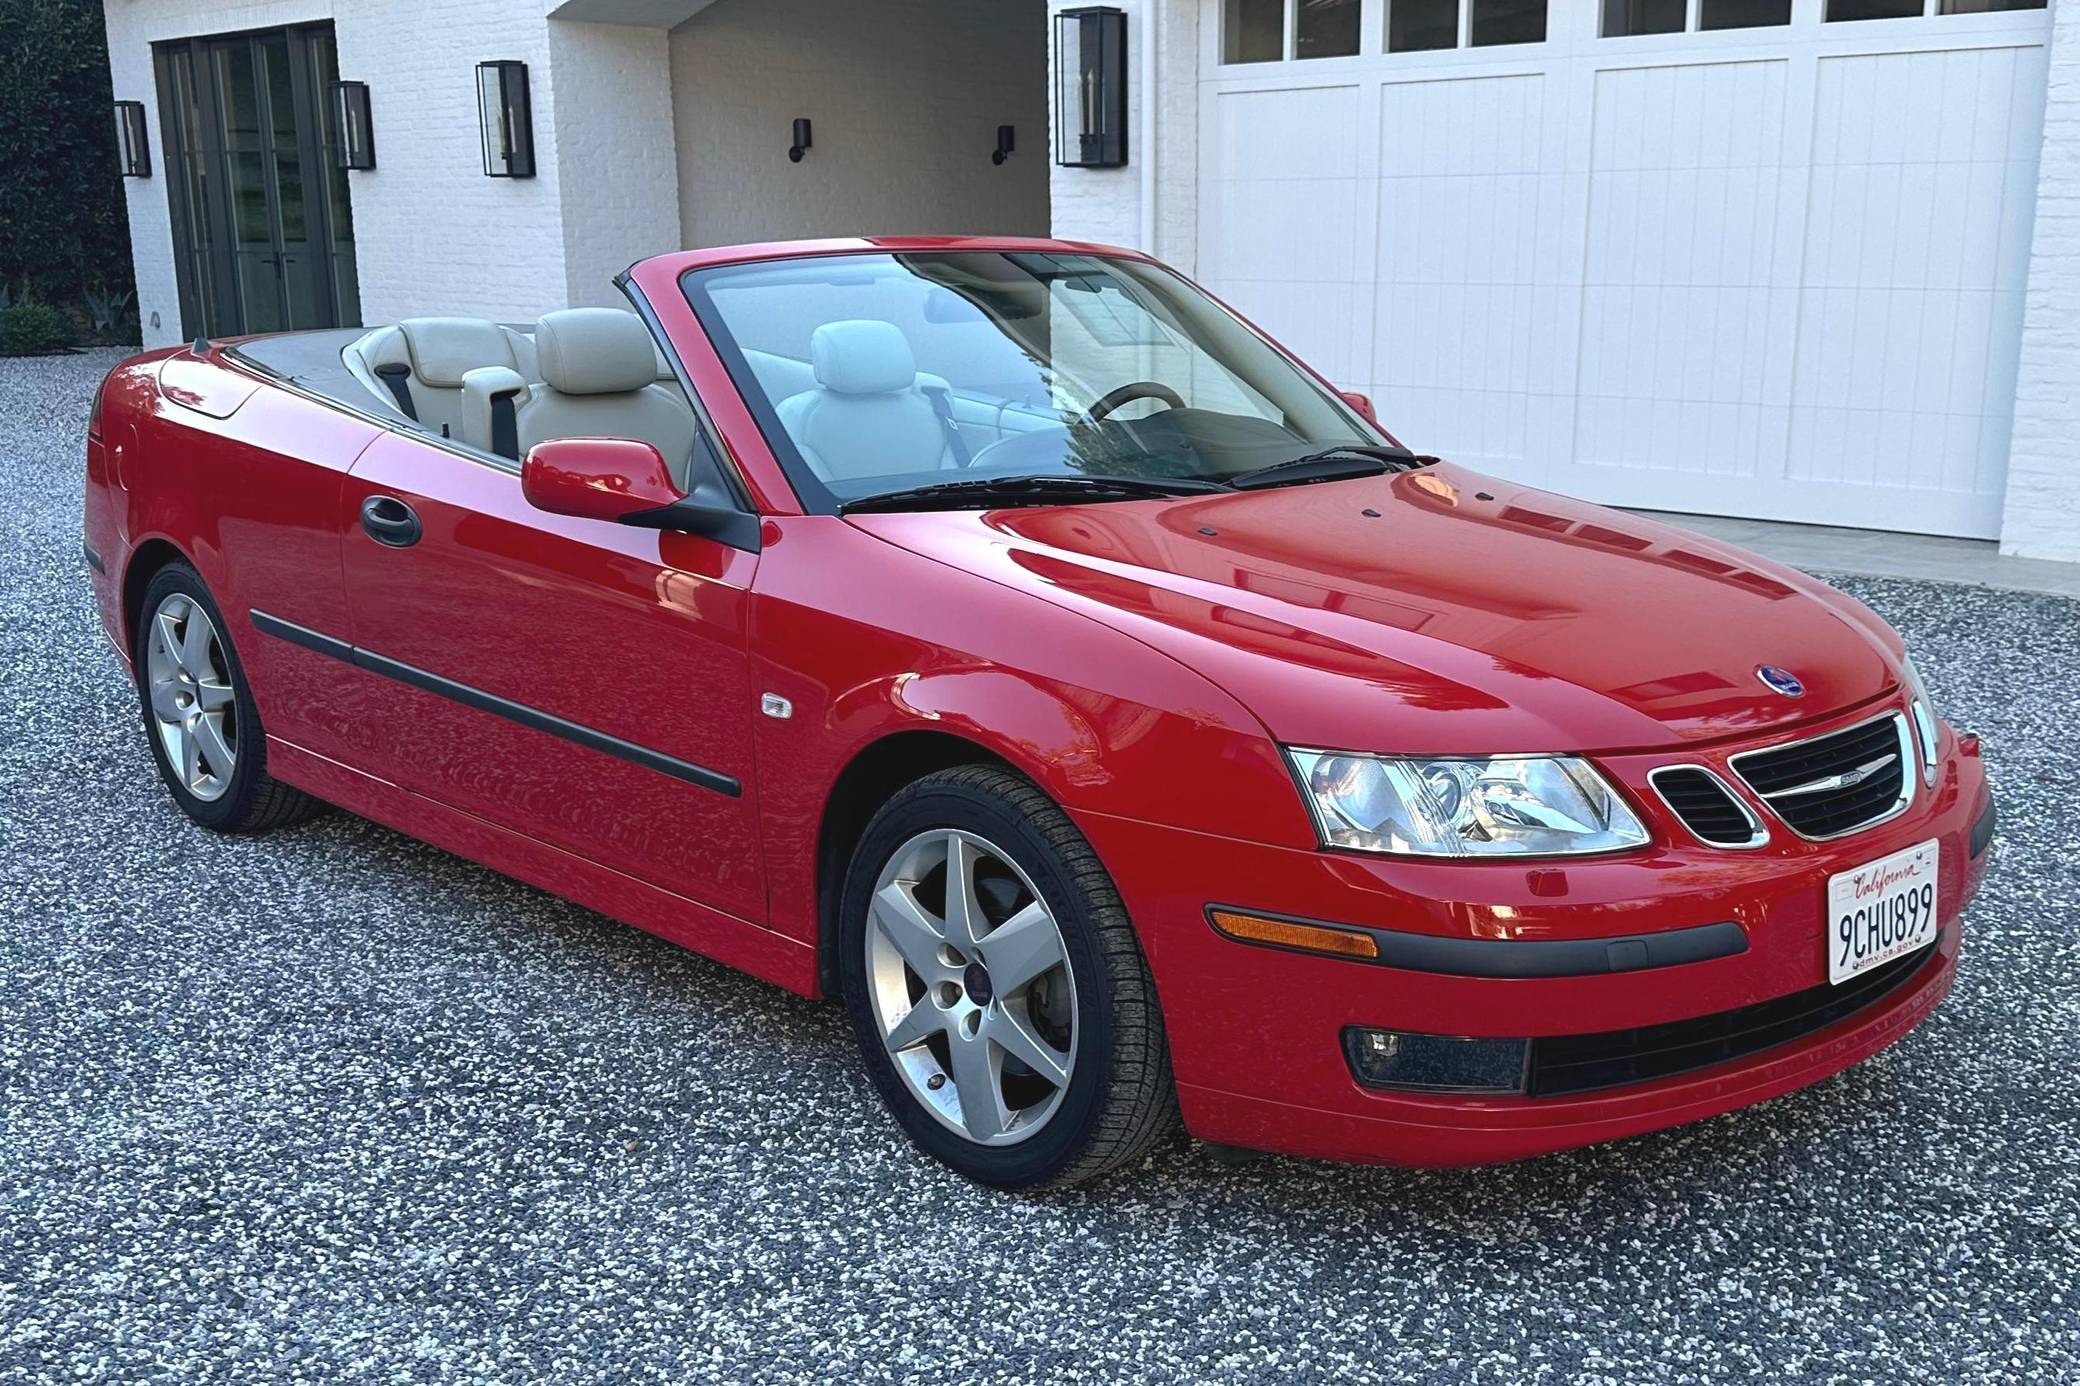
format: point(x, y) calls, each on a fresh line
point(390, 521)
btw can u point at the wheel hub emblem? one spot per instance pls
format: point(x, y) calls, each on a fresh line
point(976, 981)
point(1779, 680)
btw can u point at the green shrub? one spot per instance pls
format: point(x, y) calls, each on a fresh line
point(33, 329)
point(63, 226)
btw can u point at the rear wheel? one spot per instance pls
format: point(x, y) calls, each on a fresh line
point(997, 988)
point(199, 716)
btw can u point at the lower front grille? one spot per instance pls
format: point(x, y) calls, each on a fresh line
point(1582, 1063)
point(1706, 806)
point(1835, 784)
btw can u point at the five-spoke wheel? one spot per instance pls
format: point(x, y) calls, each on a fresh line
point(997, 988)
point(970, 980)
point(191, 697)
point(204, 730)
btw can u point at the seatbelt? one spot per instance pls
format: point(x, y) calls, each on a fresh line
point(505, 425)
point(943, 407)
point(394, 375)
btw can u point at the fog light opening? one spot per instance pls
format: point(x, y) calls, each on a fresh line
point(1397, 1059)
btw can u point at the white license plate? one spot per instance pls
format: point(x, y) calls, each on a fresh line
point(1882, 911)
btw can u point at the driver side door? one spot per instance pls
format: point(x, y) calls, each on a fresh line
point(579, 681)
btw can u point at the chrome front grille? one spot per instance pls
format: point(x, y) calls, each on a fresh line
point(1836, 784)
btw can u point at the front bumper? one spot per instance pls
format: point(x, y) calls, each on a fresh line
point(1255, 1033)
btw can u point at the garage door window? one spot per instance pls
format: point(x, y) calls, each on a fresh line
point(1326, 29)
point(1507, 21)
point(1624, 18)
point(1253, 31)
point(1912, 9)
point(1414, 26)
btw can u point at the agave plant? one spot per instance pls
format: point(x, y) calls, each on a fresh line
point(106, 309)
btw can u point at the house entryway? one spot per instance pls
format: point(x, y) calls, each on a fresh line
point(263, 234)
point(903, 99)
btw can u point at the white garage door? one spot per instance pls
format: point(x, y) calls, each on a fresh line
point(1774, 270)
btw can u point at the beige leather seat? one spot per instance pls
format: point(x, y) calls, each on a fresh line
point(867, 415)
point(416, 366)
point(599, 380)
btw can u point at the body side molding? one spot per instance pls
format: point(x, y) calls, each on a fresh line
point(429, 682)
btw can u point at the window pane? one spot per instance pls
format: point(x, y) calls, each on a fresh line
point(1327, 29)
point(1414, 25)
point(1988, 6)
point(1872, 9)
point(1743, 14)
point(1625, 17)
point(1508, 21)
point(1253, 31)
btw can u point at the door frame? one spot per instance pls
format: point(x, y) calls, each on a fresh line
point(207, 275)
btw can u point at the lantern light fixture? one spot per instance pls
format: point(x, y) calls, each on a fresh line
point(1090, 63)
point(357, 135)
point(506, 118)
point(133, 146)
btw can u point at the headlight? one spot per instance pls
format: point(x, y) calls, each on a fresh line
point(1923, 713)
point(1455, 807)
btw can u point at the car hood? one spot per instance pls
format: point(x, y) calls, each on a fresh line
point(1438, 611)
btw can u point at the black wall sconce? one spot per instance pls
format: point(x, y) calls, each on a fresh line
point(801, 140)
point(133, 147)
point(1090, 62)
point(1006, 144)
point(357, 136)
point(507, 119)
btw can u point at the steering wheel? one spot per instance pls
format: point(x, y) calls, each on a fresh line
point(1127, 394)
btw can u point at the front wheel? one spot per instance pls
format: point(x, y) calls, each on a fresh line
point(996, 986)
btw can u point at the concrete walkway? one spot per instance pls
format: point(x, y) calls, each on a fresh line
point(1879, 553)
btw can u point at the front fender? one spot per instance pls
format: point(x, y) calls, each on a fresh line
point(867, 641)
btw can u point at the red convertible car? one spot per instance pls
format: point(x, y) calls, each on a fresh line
point(1006, 638)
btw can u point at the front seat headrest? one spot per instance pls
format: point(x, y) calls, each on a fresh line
point(594, 351)
point(862, 357)
point(443, 348)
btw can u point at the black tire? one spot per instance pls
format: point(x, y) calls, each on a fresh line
point(252, 801)
point(1120, 1100)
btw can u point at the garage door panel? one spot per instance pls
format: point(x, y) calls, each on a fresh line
point(1263, 136)
point(1467, 265)
point(1285, 229)
point(1774, 271)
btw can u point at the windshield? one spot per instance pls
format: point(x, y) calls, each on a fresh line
point(878, 373)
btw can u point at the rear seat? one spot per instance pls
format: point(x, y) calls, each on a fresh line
point(453, 375)
point(416, 367)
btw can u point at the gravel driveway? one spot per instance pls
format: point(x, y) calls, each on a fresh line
point(332, 1103)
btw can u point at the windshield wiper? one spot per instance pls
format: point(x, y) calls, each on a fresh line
point(1039, 489)
point(1330, 464)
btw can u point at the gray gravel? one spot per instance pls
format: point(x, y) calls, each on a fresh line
point(334, 1104)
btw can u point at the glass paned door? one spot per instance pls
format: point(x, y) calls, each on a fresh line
point(262, 228)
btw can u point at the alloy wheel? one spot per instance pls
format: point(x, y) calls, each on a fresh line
point(194, 708)
point(969, 982)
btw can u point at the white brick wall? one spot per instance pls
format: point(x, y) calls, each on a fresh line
point(2041, 518)
point(1108, 204)
point(614, 152)
point(432, 233)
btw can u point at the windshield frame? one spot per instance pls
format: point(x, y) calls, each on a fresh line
point(810, 492)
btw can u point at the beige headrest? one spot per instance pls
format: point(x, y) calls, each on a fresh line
point(594, 351)
point(442, 349)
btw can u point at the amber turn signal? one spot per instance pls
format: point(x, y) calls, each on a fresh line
point(1286, 933)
